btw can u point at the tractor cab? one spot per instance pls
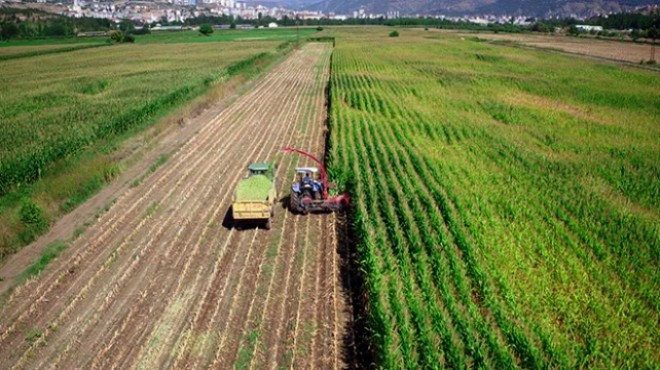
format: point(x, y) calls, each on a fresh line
point(308, 184)
point(260, 168)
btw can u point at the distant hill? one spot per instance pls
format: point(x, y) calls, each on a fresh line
point(562, 8)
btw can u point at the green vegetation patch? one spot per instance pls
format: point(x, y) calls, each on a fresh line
point(5, 55)
point(51, 252)
point(263, 34)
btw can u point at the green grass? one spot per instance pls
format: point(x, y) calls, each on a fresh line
point(506, 202)
point(157, 163)
point(32, 335)
point(171, 37)
point(49, 253)
point(19, 52)
point(261, 34)
point(53, 41)
point(245, 353)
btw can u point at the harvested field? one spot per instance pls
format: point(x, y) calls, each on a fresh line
point(624, 51)
point(160, 281)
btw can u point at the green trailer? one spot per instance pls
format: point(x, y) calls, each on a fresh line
point(255, 196)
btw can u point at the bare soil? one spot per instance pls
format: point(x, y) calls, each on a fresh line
point(606, 49)
point(162, 280)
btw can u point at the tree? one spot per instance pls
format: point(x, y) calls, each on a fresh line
point(115, 36)
point(540, 27)
point(126, 26)
point(206, 29)
point(128, 38)
point(653, 32)
point(8, 30)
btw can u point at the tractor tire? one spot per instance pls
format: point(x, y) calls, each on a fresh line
point(294, 203)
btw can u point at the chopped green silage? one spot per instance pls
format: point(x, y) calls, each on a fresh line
point(253, 188)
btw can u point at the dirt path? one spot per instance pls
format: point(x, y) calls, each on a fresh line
point(160, 282)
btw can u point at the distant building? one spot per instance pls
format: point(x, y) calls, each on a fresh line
point(92, 34)
point(587, 28)
point(167, 28)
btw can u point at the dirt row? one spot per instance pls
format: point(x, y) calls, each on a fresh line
point(162, 280)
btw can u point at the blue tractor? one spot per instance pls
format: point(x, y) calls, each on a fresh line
point(309, 192)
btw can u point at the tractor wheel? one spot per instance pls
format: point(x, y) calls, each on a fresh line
point(294, 203)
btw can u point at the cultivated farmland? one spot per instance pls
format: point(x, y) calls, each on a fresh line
point(82, 104)
point(48, 113)
point(506, 202)
point(505, 214)
point(614, 50)
point(160, 282)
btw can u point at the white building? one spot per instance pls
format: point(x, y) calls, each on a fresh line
point(587, 28)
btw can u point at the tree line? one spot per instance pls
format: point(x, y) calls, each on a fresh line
point(32, 24)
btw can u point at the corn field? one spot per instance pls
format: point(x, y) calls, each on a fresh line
point(86, 97)
point(506, 202)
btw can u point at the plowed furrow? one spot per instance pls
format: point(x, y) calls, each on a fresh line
point(183, 200)
point(204, 319)
point(232, 350)
point(311, 348)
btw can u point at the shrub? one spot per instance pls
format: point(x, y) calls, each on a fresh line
point(115, 36)
point(205, 29)
point(540, 27)
point(120, 37)
point(32, 220)
point(319, 28)
point(394, 34)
